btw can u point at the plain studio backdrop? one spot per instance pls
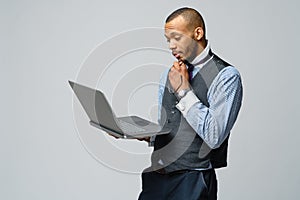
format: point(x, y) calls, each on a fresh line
point(44, 43)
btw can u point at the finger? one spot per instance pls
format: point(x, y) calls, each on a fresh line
point(172, 69)
point(183, 67)
point(180, 62)
point(174, 72)
point(176, 66)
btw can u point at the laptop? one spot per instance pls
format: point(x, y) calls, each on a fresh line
point(102, 116)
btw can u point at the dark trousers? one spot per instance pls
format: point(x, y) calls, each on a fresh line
point(186, 185)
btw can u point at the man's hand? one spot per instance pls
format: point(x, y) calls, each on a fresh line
point(179, 77)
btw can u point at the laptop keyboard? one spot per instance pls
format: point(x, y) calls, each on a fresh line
point(130, 128)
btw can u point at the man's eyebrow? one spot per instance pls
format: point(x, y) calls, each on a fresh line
point(172, 34)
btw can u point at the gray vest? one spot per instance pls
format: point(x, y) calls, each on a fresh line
point(183, 148)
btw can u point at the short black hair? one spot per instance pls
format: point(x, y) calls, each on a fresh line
point(190, 15)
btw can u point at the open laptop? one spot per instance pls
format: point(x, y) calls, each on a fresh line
point(102, 116)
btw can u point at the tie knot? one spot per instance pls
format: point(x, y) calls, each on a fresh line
point(190, 68)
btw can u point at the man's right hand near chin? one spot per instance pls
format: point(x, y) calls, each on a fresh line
point(178, 76)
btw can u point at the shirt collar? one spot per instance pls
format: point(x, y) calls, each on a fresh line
point(204, 56)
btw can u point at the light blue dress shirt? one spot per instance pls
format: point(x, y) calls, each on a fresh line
point(224, 96)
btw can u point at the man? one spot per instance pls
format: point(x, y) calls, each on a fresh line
point(199, 97)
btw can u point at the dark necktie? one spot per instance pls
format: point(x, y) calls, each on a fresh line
point(190, 70)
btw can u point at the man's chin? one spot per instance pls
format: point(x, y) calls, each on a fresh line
point(180, 57)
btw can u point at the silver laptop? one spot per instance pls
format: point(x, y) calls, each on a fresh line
point(102, 116)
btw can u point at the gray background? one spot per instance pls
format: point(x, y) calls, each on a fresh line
point(43, 44)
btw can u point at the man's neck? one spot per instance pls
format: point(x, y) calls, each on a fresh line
point(204, 53)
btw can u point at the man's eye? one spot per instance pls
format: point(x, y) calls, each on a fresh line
point(177, 38)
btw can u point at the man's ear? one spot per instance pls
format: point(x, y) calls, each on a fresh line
point(198, 33)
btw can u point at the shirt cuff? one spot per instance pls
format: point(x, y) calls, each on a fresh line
point(187, 102)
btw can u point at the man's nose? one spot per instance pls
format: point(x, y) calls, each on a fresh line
point(172, 45)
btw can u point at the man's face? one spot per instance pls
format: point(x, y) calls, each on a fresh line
point(180, 39)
